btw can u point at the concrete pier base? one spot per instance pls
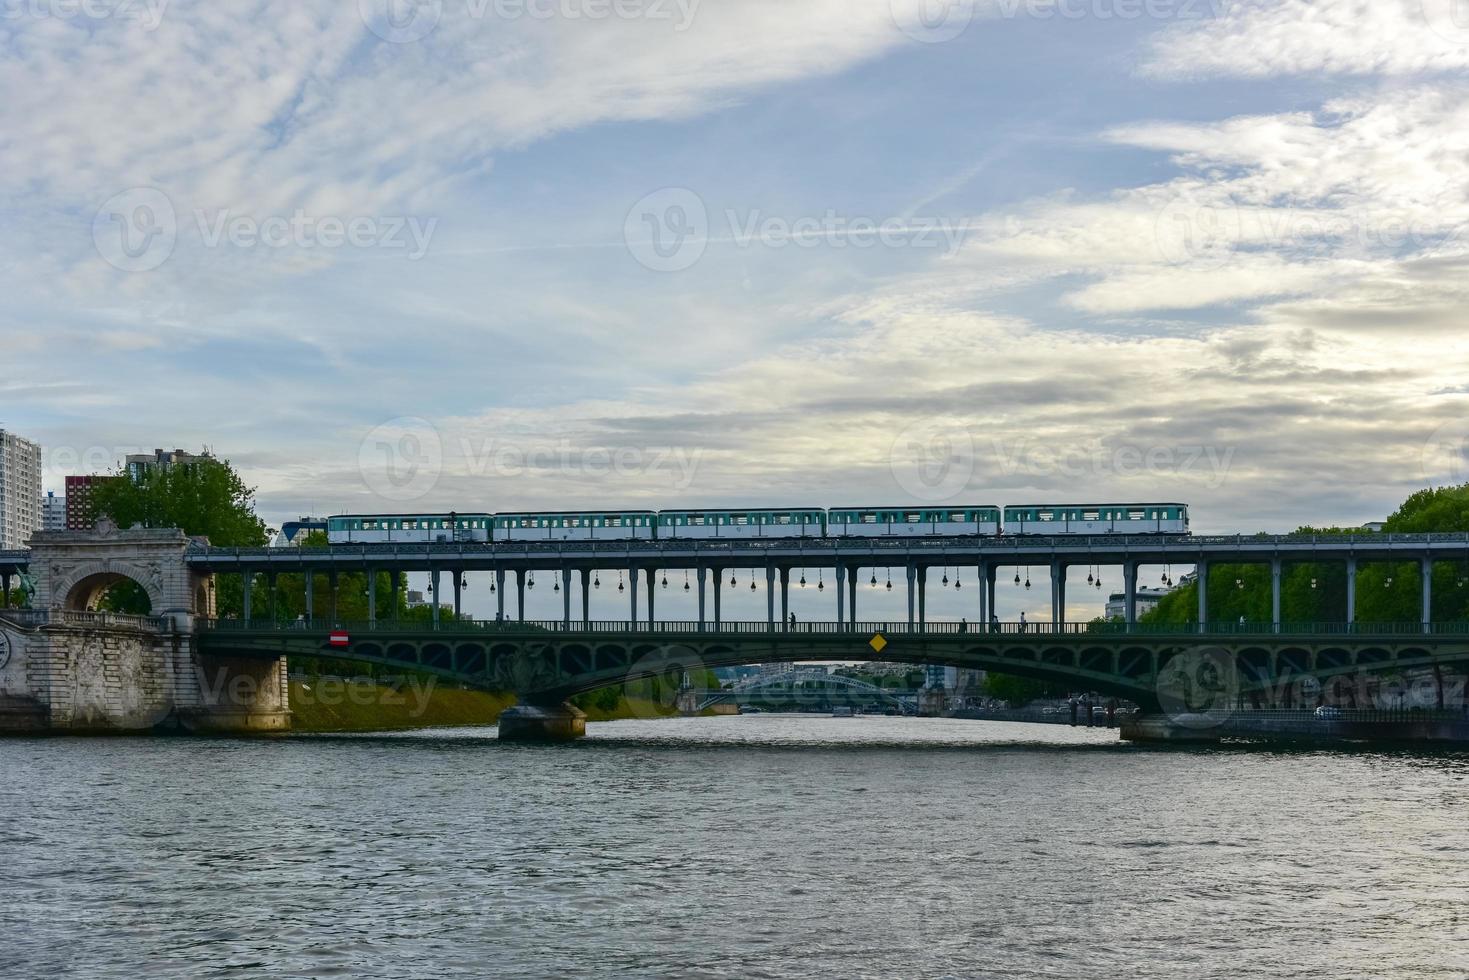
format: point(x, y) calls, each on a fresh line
point(542, 723)
point(1163, 728)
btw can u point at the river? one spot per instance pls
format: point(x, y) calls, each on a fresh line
point(754, 846)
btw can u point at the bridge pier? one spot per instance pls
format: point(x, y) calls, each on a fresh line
point(586, 597)
point(852, 574)
point(922, 598)
point(433, 587)
point(1201, 577)
point(718, 589)
point(785, 598)
point(770, 596)
point(912, 577)
point(520, 595)
point(1129, 586)
point(1058, 595)
point(703, 576)
point(542, 723)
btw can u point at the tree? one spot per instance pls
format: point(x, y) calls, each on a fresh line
point(1387, 592)
point(204, 497)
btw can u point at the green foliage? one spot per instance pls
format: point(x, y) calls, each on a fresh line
point(1387, 592)
point(205, 497)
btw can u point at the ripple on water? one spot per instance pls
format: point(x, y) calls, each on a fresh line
point(758, 846)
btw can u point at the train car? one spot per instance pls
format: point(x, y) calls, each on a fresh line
point(1053, 519)
point(421, 528)
point(878, 522)
point(804, 522)
point(637, 525)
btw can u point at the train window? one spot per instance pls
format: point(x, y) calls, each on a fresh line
point(783, 519)
point(1091, 515)
point(1047, 515)
point(410, 525)
point(869, 518)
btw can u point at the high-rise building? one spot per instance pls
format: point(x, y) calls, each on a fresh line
point(1146, 599)
point(20, 490)
point(140, 463)
point(80, 515)
point(53, 512)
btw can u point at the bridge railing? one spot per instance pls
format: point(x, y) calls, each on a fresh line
point(1098, 630)
point(35, 618)
point(714, 547)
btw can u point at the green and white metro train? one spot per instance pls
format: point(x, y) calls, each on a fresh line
point(798, 522)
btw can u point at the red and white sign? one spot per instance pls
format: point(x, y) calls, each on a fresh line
point(337, 638)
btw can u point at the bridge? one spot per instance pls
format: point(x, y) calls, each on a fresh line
point(806, 687)
point(547, 662)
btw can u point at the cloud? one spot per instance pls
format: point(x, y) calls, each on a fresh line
point(1265, 38)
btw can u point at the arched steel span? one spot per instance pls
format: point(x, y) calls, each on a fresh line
point(547, 667)
point(749, 689)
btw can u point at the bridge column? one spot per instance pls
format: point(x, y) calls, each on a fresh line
point(632, 591)
point(1058, 596)
point(270, 587)
point(1201, 578)
point(1426, 564)
point(1129, 586)
point(520, 595)
point(310, 594)
point(770, 596)
point(1351, 591)
point(371, 595)
point(500, 595)
point(395, 583)
point(912, 575)
point(703, 575)
point(984, 616)
point(433, 588)
point(249, 580)
point(458, 593)
point(991, 572)
point(922, 598)
point(649, 574)
point(1275, 568)
point(4, 590)
point(331, 579)
point(785, 598)
point(586, 598)
point(841, 597)
point(718, 591)
point(566, 599)
point(852, 575)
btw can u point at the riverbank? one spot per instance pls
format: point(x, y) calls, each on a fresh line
point(334, 704)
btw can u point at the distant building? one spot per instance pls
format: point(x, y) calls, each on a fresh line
point(140, 463)
point(80, 513)
point(53, 512)
point(292, 533)
point(1374, 526)
point(20, 490)
point(1147, 600)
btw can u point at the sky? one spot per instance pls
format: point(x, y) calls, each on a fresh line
point(421, 255)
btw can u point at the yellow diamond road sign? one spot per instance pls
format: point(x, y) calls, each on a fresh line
point(877, 643)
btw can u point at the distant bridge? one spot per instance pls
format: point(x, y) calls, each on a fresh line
point(806, 687)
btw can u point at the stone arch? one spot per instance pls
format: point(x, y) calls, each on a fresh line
point(83, 587)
